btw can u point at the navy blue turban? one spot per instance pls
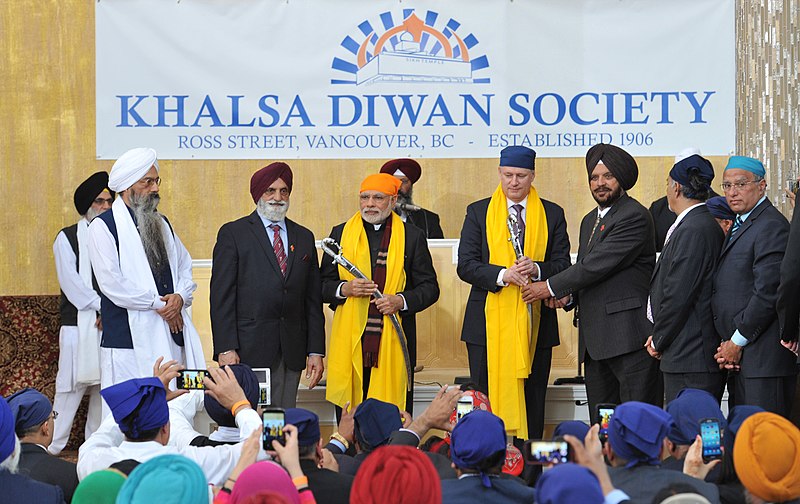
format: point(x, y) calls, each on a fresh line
point(307, 423)
point(375, 421)
point(737, 416)
point(718, 207)
point(248, 381)
point(573, 428)
point(636, 432)
point(476, 437)
point(568, 483)
point(687, 409)
point(30, 408)
point(145, 394)
point(694, 164)
point(517, 156)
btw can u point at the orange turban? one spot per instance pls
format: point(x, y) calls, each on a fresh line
point(381, 182)
point(766, 456)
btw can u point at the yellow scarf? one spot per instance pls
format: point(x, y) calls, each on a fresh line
point(510, 333)
point(388, 381)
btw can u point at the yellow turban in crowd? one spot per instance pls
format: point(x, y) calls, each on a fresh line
point(381, 182)
point(766, 456)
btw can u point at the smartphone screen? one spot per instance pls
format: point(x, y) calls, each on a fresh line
point(604, 414)
point(547, 452)
point(192, 379)
point(263, 376)
point(464, 406)
point(710, 434)
point(274, 419)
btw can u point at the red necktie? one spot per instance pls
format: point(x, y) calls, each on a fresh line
point(277, 245)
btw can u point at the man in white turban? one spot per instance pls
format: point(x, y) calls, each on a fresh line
point(145, 277)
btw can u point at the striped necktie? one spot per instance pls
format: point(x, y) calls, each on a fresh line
point(736, 225)
point(520, 222)
point(277, 245)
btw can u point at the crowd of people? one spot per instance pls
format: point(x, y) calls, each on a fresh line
point(718, 310)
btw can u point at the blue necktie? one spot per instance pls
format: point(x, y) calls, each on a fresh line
point(736, 225)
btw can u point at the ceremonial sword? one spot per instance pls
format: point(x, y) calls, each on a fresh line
point(333, 249)
point(514, 231)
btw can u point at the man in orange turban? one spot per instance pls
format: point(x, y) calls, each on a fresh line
point(365, 358)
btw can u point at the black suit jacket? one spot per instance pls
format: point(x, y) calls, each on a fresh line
point(254, 308)
point(663, 218)
point(428, 222)
point(37, 463)
point(643, 482)
point(612, 280)
point(680, 295)
point(327, 486)
point(421, 290)
point(789, 288)
point(746, 292)
point(475, 269)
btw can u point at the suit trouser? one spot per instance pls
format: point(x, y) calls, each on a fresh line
point(634, 376)
point(535, 385)
point(774, 394)
point(283, 385)
point(713, 383)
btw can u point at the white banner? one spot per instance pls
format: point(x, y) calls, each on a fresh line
point(324, 79)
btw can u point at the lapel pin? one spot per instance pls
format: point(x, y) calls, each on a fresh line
point(602, 228)
point(291, 248)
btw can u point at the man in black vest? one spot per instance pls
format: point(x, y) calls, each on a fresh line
point(79, 337)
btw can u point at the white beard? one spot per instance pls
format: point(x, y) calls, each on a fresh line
point(272, 210)
point(376, 218)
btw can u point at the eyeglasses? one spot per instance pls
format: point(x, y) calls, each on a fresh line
point(100, 201)
point(727, 186)
point(284, 191)
point(149, 181)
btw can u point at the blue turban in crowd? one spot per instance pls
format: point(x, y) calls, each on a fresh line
point(736, 416)
point(636, 432)
point(7, 437)
point(30, 408)
point(166, 479)
point(687, 409)
point(476, 437)
point(517, 156)
point(146, 394)
point(374, 422)
point(694, 164)
point(568, 483)
point(573, 428)
point(718, 207)
point(307, 423)
point(754, 166)
point(248, 381)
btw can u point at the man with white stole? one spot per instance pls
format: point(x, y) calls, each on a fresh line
point(509, 342)
point(365, 358)
point(81, 326)
point(145, 277)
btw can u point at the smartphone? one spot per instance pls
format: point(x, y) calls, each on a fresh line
point(540, 452)
point(264, 392)
point(603, 417)
point(710, 435)
point(273, 420)
point(464, 406)
point(192, 379)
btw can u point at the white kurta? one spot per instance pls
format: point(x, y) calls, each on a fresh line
point(126, 279)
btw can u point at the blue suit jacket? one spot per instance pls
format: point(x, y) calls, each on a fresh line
point(470, 489)
point(19, 488)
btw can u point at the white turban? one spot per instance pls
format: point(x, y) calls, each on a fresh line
point(685, 153)
point(131, 167)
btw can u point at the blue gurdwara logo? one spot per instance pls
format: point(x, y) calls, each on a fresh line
point(407, 49)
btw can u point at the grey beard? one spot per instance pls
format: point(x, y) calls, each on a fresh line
point(376, 219)
point(406, 197)
point(91, 214)
point(151, 231)
point(271, 211)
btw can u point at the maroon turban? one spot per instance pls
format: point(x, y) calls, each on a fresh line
point(396, 474)
point(263, 178)
point(618, 162)
point(409, 167)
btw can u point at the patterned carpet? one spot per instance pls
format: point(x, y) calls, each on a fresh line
point(29, 350)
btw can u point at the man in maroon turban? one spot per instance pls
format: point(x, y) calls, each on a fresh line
point(408, 172)
point(609, 285)
point(266, 301)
